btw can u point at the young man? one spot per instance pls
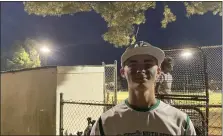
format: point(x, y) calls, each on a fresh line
point(141, 113)
point(164, 82)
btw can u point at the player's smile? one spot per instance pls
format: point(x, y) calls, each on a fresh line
point(140, 77)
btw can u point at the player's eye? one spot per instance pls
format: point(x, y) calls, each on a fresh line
point(132, 65)
point(146, 66)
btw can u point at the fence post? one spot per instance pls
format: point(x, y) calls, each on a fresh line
point(206, 86)
point(104, 92)
point(115, 78)
point(61, 114)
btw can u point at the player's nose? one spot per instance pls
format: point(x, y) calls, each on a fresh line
point(141, 69)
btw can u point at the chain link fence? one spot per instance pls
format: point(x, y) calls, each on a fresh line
point(79, 116)
point(75, 115)
point(214, 67)
point(191, 68)
point(188, 71)
point(110, 83)
point(215, 120)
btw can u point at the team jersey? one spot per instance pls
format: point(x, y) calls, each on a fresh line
point(159, 120)
point(165, 81)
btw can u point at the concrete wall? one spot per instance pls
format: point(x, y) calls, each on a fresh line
point(28, 102)
point(79, 83)
point(30, 99)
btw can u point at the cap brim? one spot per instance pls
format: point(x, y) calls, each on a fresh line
point(149, 50)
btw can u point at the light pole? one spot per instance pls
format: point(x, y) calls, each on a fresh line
point(45, 50)
point(187, 54)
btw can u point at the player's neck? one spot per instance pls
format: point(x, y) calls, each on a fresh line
point(142, 99)
point(166, 72)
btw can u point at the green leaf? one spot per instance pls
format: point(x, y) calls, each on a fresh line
point(25, 55)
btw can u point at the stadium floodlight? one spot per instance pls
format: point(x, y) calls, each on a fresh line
point(186, 54)
point(45, 49)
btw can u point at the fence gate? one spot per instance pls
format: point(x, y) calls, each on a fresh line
point(77, 117)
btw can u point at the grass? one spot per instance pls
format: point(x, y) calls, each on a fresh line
point(215, 118)
point(214, 98)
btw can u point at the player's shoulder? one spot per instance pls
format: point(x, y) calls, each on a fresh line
point(115, 112)
point(172, 111)
point(162, 73)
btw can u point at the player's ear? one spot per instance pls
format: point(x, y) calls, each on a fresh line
point(122, 72)
point(158, 71)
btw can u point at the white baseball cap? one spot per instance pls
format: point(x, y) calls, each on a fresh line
point(143, 48)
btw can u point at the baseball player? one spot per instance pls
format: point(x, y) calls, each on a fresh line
point(141, 113)
point(164, 82)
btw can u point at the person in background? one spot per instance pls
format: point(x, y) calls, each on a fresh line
point(164, 82)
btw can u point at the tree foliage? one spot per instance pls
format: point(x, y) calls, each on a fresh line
point(121, 17)
point(25, 55)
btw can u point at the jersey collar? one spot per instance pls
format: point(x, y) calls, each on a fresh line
point(143, 109)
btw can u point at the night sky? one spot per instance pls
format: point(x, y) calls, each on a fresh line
point(77, 40)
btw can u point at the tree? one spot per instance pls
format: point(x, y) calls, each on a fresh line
point(122, 17)
point(24, 55)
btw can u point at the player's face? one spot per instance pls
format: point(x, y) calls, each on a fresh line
point(169, 67)
point(140, 72)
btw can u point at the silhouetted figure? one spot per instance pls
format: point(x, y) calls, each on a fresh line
point(79, 133)
point(87, 131)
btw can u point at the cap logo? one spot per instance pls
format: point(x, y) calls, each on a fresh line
point(139, 44)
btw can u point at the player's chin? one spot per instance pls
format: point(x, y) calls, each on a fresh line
point(142, 83)
point(141, 87)
point(140, 80)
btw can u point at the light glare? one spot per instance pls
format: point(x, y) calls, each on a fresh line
point(186, 54)
point(45, 50)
